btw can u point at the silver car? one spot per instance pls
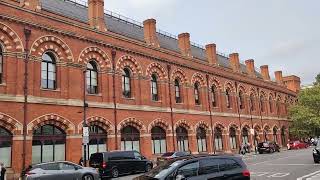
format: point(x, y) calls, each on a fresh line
point(60, 170)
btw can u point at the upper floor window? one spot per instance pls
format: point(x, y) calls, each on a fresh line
point(241, 100)
point(48, 71)
point(126, 83)
point(92, 78)
point(1, 64)
point(177, 91)
point(214, 96)
point(262, 103)
point(252, 102)
point(196, 94)
point(228, 98)
point(270, 104)
point(154, 88)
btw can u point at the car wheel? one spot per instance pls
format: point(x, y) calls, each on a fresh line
point(315, 161)
point(115, 173)
point(148, 168)
point(87, 177)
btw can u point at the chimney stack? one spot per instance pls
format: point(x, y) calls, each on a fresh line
point(150, 33)
point(184, 44)
point(211, 51)
point(234, 62)
point(278, 75)
point(292, 82)
point(250, 67)
point(96, 14)
point(265, 72)
point(33, 5)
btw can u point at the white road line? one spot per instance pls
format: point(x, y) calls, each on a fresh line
point(279, 175)
point(274, 160)
point(305, 176)
point(293, 164)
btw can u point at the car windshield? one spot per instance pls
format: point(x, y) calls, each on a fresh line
point(167, 154)
point(163, 170)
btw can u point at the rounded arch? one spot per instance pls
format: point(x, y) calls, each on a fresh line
point(51, 119)
point(11, 124)
point(219, 125)
point(215, 81)
point(131, 63)
point(161, 123)
point(266, 128)
point(242, 88)
point(257, 128)
point(275, 128)
point(131, 121)
point(245, 126)
point(10, 39)
point(97, 54)
point(183, 123)
point(233, 125)
point(51, 43)
point(204, 125)
point(105, 124)
point(179, 74)
point(197, 77)
point(157, 69)
point(229, 85)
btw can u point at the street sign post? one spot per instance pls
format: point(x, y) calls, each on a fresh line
point(85, 135)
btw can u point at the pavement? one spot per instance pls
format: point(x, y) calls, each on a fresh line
point(286, 165)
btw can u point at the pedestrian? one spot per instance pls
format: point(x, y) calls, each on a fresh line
point(81, 162)
point(3, 171)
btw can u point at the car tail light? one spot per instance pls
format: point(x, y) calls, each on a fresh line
point(104, 164)
point(246, 173)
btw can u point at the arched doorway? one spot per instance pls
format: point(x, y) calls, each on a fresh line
point(218, 142)
point(158, 140)
point(233, 138)
point(201, 139)
point(283, 136)
point(182, 139)
point(245, 135)
point(5, 146)
point(275, 137)
point(130, 139)
point(98, 140)
point(48, 144)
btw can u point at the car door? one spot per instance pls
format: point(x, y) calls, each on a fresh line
point(209, 169)
point(138, 162)
point(230, 169)
point(188, 171)
point(69, 171)
point(51, 171)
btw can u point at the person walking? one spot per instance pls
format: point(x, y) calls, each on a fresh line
point(3, 171)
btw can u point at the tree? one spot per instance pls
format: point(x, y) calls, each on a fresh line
point(305, 114)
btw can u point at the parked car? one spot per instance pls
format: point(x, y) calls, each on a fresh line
point(115, 163)
point(198, 168)
point(297, 145)
point(316, 153)
point(268, 147)
point(59, 170)
point(170, 155)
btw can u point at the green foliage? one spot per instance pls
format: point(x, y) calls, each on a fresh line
point(305, 114)
point(317, 80)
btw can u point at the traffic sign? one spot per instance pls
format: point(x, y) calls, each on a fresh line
point(85, 131)
point(85, 140)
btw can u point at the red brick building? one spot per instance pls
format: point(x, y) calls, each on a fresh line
point(144, 89)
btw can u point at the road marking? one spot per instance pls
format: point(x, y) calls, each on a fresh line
point(308, 175)
point(269, 174)
point(273, 160)
point(279, 175)
point(293, 164)
point(258, 173)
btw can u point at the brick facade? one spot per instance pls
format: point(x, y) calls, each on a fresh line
point(75, 43)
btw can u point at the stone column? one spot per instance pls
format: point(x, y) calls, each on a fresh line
point(209, 141)
point(193, 145)
point(226, 141)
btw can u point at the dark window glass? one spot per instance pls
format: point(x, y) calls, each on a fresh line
point(154, 88)
point(196, 94)
point(48, 71)
point(218, 139)
point(278, 104)
point(158, 140)
point(182, 139)
point(66, 166)
point(97, 139)
point(241, 100)
point(270, 104)
point(130, 139)
point(233, 139)
point(126, 83)
point(252, 102)
point(189, 170)
point(92, 78)
point(245, 135)
point(50, 166)
point(214, 96)
point(275, 138)
point(208, 166)
point(5, 146)
point(201, 139)
point(1, 64)
point(228, 164)
point(262, 104)
point(177, 91)
point(228, 98)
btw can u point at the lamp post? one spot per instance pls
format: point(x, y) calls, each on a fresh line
point(85, 128)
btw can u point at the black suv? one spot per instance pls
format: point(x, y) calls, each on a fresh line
point(268, 147)
point(200, 167)
point(113, 164)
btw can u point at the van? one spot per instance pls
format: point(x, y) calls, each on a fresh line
point(115, 163)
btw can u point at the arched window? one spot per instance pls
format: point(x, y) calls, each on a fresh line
point(196, 94)
point(241, 100)
point(182, 139)
point(177, 91)
point(218, 142)
point(158, 140)
point(283, 136)
point(154, 88)
point(48, 144)
point(126, 83)
point(228, 98)
point(278, 104)
point(130, 139)
point(233, 139)
point(1, 65)
point(245, 135)
point(5, 147)
point(201, 139)
point(270, 105)
point(262, 104)
point(214, 96)
point(275, 137)
point(97, 141)
point(48, 71)
point(252, 102)
point(92, 78)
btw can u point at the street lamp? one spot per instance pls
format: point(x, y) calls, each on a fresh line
point(85, 128)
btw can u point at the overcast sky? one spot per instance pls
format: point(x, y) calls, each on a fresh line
point(285, 34)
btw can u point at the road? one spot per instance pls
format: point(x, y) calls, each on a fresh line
point(286, 165)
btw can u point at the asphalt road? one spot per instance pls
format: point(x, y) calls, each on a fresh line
point(286, 165)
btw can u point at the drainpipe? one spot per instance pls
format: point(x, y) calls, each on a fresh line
point(114, 53)
point(27, 33)
point(171, 111)
point(84, 122)
point(238, 109)
point(261, 115)
point(210, 112)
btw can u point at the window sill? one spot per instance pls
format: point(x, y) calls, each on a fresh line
point(53, 90)
point(153, 101)
point(3, 84)
point(181, 103)
point(131, 99)
point(97, 95)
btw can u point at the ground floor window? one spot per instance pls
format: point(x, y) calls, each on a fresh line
point(48, 144)
point(218, 142)
point(5, 147)
point(97, 140)
point(201, 139)
point(130, 139)
point(233, 139)
point(245, 136)
point(275, 138)
point(283, 136)
point(182, 139)
point(158, 140)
